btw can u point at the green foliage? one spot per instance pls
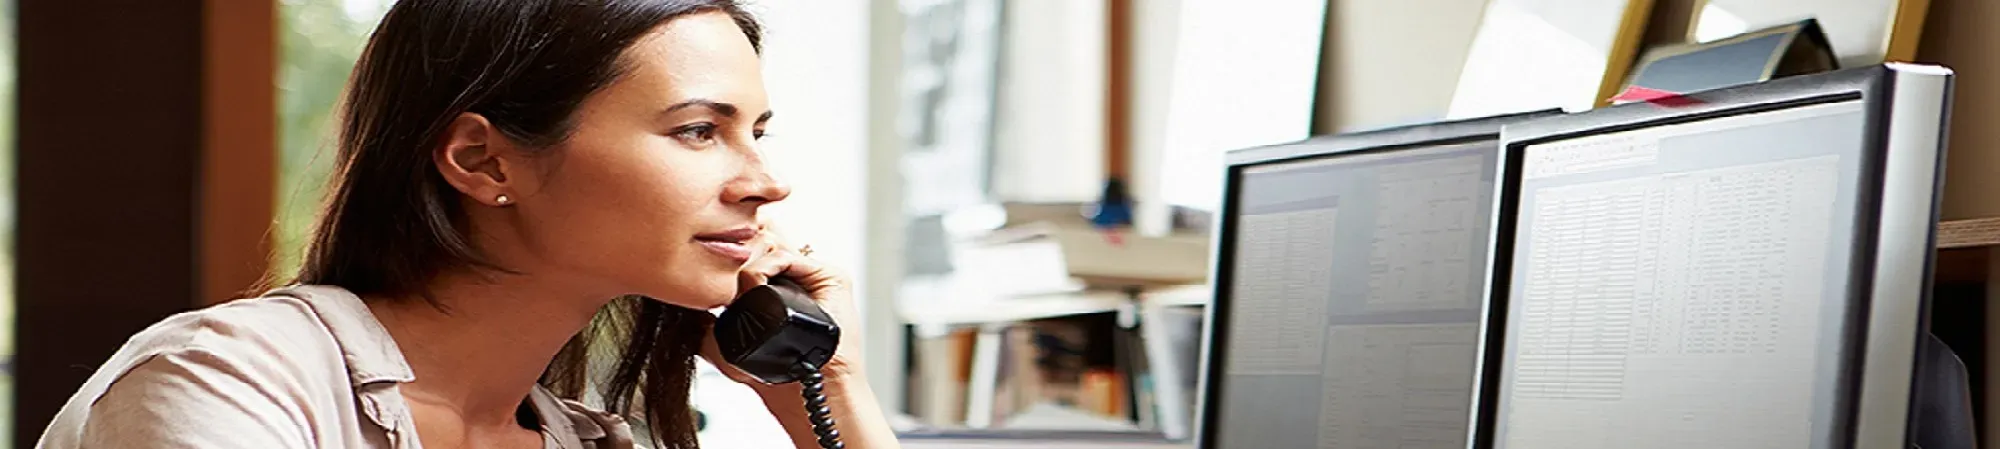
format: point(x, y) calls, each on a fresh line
point(7, 148)
point(320, 41)
point(7, 218)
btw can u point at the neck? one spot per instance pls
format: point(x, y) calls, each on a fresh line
point(482, 353)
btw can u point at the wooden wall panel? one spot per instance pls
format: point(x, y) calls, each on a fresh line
point(239, 146)
point(143, 164)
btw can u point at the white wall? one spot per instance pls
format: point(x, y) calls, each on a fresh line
point(1376, 63)
point(1539, 54)
point(1392, 62)
point(1049, 132)
point(816, 70)
point(882, 275)
point(1242, 77)
point(1155, 38)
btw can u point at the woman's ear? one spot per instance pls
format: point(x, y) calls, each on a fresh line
point(472, 159)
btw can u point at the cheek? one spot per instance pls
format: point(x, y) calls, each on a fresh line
point(670, 265)
point(630, 219)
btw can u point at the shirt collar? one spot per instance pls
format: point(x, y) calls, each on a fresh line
point(370, 352)
point(557, 423)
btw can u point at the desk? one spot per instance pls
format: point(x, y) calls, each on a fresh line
point(936, 311)
point(995, 439)
point(1037, 444)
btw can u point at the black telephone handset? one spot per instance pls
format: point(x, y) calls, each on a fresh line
point(778, 334)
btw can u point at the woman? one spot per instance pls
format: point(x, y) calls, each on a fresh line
point(525, 187)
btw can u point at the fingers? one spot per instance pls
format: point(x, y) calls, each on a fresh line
point(806, 271)
point(775, 240)
point(773, 234)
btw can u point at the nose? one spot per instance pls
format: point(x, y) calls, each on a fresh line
point(756, 185)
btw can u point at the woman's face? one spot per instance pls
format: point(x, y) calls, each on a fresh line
point(656, 190)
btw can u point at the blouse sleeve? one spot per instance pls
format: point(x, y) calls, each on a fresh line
point(194, 399)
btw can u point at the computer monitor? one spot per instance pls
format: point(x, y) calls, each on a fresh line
point(1347, 303)
point(1740, 268)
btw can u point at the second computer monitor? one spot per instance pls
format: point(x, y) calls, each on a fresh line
point(1742, 268)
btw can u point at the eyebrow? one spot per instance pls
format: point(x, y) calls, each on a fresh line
point(712, 105)
point(725, 109)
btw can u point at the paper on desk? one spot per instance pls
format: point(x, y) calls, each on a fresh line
point(1048, 416)
point(1111, 258)
point(1029, 267)
point(1133, 259)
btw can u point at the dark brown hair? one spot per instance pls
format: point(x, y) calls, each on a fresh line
point(391, 223)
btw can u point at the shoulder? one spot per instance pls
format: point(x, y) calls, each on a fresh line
point(270, 316)
point(277, 341)
point(253, 367)
point(311, 337)
point(264, 330)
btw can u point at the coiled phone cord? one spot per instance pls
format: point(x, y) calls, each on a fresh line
point(816, 409)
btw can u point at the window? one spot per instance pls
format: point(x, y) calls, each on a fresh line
point(319, 40)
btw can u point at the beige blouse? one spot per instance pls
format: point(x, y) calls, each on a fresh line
point(301, 367)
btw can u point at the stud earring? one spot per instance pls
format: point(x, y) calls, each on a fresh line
point(502, 199)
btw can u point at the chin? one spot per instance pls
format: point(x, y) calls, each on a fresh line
point(710, 300)
point(701, 293)
point(694, 301)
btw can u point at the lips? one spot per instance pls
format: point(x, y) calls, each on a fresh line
point(733, 244)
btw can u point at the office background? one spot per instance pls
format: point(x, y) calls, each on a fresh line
point(163, 155)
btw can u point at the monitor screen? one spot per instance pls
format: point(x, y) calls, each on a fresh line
point(1351, 317)
point(1683, 285)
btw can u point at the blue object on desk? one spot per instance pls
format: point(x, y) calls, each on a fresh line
point(1114, 207)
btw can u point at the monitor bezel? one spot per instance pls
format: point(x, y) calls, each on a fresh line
point(1900, 172)
point(1222, 241)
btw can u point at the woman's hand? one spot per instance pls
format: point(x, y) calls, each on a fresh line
point(861, 422)
point(830, 288)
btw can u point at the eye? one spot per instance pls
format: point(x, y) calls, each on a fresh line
point(757, 134)
point(700, 133)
